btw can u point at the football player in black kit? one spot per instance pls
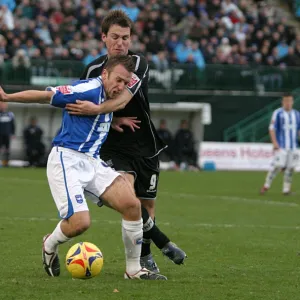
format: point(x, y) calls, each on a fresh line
point(134, 152)
point(7, 130)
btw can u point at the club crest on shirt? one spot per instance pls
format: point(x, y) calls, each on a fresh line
point(134, 80)
point(65, 89)
point(79, 199)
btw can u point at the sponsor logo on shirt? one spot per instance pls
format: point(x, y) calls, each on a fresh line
point(65, 89)
point(134, 80)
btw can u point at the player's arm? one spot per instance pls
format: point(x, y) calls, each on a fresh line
point(272, 130)
point(68, 94)
point(139, 77)
point(82, 107)
point(30, 96)
point(273, 139)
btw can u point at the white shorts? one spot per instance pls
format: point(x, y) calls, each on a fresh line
point(286, 158)
point(70, 173)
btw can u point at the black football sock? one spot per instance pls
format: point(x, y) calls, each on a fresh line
point(151, 232)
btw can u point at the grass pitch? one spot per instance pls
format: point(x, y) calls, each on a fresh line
point(240, 245)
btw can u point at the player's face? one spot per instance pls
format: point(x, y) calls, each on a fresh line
point(287, 103)
point(115, 81)
point(117, 40)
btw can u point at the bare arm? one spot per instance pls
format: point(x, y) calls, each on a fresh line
point(89, 108)
point(30, 96)
point(116, 104)
point(273, 139)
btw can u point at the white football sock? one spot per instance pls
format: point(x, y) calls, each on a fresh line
point(287, 180)
point(286, 187)
point(270, 176)
point(132, 234)
point(56, 237)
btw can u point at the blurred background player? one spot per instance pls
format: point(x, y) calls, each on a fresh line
point(186, 155)
point(7, 130)
point(166, 136)
point(284, 132)
point(134, 153)
point(35, 149)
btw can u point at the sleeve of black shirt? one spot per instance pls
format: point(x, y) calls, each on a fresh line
point(84, 74)
point(140, 74)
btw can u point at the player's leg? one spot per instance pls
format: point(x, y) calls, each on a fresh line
point(66, 183)
point(146, 189)
point(287, 181)
point(6, 152)
point(139, 174)
point(292, 161)
point(276, 166)
point(115, 190)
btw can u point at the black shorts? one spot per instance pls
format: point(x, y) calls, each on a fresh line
point(4, 141)
point(145, 171)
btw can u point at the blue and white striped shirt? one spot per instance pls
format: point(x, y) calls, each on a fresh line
point(286, 125)
point(85, 134)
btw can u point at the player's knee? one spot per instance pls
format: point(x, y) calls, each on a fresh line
point(131, 208)
point(80, 224)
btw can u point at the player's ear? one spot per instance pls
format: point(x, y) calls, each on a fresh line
point(104, 74)
point(103, 36)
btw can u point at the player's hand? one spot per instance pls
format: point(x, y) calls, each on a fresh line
point(83, 108)
point(130, 122)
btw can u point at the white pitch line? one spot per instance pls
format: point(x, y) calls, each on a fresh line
point(253, 201)
point(179, 195)
point(24, 180)
point(230, 198)
point(205, 225)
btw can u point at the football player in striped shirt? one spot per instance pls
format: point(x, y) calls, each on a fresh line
point(74, 166)
point(284, 132)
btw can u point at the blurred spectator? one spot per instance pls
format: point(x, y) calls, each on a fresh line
point(6, 17)
point(224, 31)
point(11, 4)
point(165, 134)
point(7, 130)
point(25, 10)
point(160, 61)
point(184, 145)
point(21, 60)
point(35, 149)
point(58, 47)
point(291, 59)
point(283, 49)
point(225, 47)
point(44, 34)
point(197, 56)
point(92, 56)
point(130, 9)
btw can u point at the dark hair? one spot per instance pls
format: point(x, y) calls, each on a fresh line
point(125, 60)
point(287, 94)
point(116, 17)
